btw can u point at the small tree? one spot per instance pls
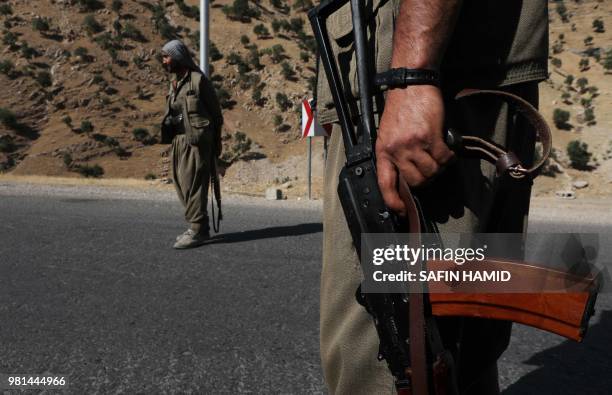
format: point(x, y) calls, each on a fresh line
point(277, 53)
point(579, 155)
point(257, 95)
point(116, 5)
point(5, 9)
point(276, 25)
point(40, 24)
point(8, 118)
point(244, 39)
point(283, 101)
point(261, 31)
point(215, 54)
point(287, 71)
point(584, 64)
point(607, 61)
point(560, 118)
point(44, 79)
point(86, 126)
point(569, 79)
point(589, 116)
point(302, 5)
point(582, 84)
point(556, 62)
point(598, 26)
point(67, 120)
point(91, 25)
point(278, 120)
point(297, 25)
point(588, 41)
point(6, 67)
point(562, 11)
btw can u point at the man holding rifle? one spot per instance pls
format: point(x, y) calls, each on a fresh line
point(472, 44)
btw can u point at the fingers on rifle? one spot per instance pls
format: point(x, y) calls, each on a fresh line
point(387, 181)
point(425, 164)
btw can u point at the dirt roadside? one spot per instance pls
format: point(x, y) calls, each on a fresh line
point(595, 210)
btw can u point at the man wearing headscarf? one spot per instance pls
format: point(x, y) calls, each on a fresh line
point(192, 124)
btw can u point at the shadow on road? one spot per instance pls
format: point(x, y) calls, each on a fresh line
point(570, 367)
point(267, 233)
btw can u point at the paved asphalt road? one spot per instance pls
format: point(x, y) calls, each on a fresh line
point(90, 288)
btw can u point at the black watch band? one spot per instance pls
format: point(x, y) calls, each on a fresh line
point(402, 77)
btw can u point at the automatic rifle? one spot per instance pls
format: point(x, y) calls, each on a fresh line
point(405, 321)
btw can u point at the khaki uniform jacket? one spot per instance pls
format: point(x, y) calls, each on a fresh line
point(495, 43)
point(200, 109)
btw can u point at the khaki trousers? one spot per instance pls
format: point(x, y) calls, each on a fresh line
point(191, 176)
point(459, 200)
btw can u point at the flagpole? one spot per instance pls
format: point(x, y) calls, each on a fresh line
point(204, 30)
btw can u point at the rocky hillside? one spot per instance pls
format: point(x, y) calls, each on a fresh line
point(576, 99)
point(84, 90)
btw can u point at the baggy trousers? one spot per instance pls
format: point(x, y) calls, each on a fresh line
point(191, 176)
point(460, 200)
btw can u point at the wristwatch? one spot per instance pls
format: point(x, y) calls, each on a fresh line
point(402, 77)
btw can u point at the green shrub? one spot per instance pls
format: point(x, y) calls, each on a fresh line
point(214, 52)
point(189, 11)
point(244, 39)
point(7, 144)
point(304, 56)
point(283, 101)
point(6, 66)
point(276, 25)
point(95, 171)
point(67, 159)
point(261, 30)
point(302, 5)
point(589, 116)
point(9, 38)
point(5, 9)
point(560, 118)
point(562, 11)
point(278, 120)
point(116, 5)
point(44, 79)
point(579, 155)
point(91, 25)
point(569, 79)
point(582, 83)
point(253, 58)
point(40, 24)
point(240, 10)
point(87, 126)
point(277, 53)
point(67, 120)
point(598, 26)
point(8, 118)
point(130, 31)
point(257, 95)
point(297, 24)
point(556, 62)
point(28, 52)
point(234, 58)
point(287, 71)
point(224, 97)
point(90, 5)
point(607, 61)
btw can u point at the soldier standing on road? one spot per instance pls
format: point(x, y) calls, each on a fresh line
point(473, 44)
point(192, 123)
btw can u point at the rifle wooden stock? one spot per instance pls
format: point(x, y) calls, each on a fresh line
point(565, 312)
